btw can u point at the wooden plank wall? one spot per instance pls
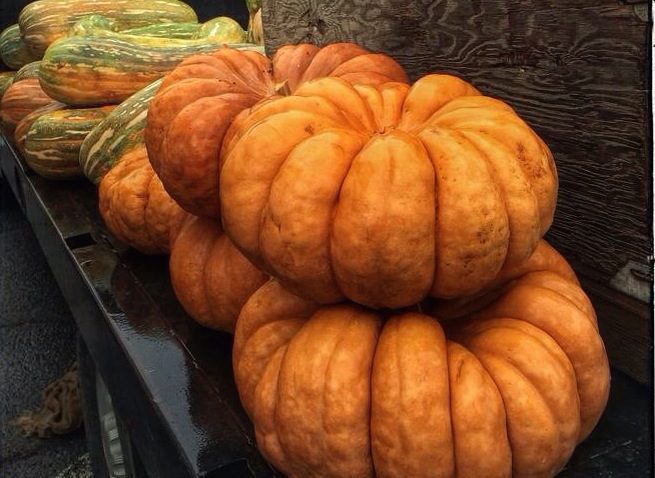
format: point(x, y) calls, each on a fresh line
point(578, 72)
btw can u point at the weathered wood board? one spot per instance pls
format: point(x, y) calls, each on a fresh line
point(577, 70)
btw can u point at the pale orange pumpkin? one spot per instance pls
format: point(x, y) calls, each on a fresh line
point(507, 390)
point(385, 194)
point(210, 277)
point(135, 206)
point(196, 103)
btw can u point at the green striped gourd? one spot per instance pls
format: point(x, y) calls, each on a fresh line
point(106, 67)
point(44, 21)
point(121, 131)
point(92, 23)
point(6, 78)
point(52, 143)
point(13, 50)
point(183, 31)
point(24, 125)
point(222, 29)
point(31, 70)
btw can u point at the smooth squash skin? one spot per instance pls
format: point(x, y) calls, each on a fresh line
point(222, 29)
point(183, 31)
point(13, 50)
point(507, 390)
point(52, 143)
point(122, 130)
point(44, 21)
point(106, 68)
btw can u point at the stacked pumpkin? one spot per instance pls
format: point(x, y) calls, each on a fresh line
point(416, 324)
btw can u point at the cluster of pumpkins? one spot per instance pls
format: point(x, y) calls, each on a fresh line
point(375, 246)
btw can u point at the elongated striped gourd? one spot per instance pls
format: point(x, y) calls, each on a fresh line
point(31, 70)
point(20, 99)
point(183, 31)
point(25, 124)
point(106, 67)
point(52, 143)
point(13, 50)
point(121, 131)
point(44, 21)
point(6, 78)
point(223, 29)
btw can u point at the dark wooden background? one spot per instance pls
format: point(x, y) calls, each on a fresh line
point(578, 72)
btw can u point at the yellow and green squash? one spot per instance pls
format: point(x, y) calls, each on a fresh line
point(52, 143)
point(106, 67)
point(44, 21)
point(122, 130)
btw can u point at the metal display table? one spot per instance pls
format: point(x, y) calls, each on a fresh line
point(171, 380)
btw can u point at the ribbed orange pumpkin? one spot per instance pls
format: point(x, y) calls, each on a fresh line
point(196, 103)
point(341, 390)
point(135, 206)
point(20, 99)
point(210, 277)
point(386, 194)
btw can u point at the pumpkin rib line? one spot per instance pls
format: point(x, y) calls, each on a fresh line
point(453, 447)
point(500, 395)
point(563, 297)
point(566, 364)
point(501, 189)
point(333, 214)
point(527, 380)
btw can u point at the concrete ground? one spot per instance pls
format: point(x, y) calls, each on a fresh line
point(37, 346)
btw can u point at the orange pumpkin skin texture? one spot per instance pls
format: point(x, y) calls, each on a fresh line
point(19, 100)
point(385, 195)
point(196, 103)
point(210, 277)
point(341, 390)
point(135, 206)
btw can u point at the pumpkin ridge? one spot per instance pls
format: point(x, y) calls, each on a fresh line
point(266, 211)
point(450, 345)
point(586, 363)
point(545, 406)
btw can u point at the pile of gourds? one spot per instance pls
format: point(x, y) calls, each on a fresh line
point(77, 59)
point(374, 245)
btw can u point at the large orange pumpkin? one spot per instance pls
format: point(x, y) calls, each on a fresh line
point(210, 277)
point(385, 194)
point(135, 206)
point(196, 103)
point(341, 390)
